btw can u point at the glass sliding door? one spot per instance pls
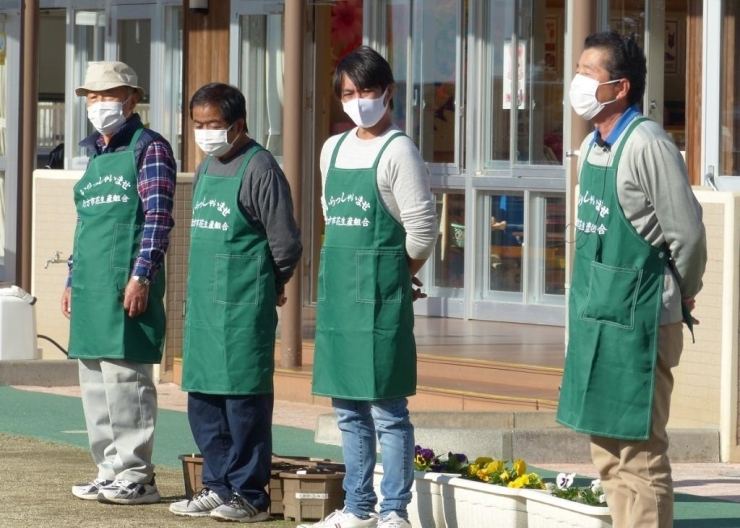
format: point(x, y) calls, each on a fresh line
point(729, 88)
point(257, 43)
point(721, 152)
point(423, 44)
point(9, 118)
point(172, 80)
point(480, 91)
point(131, 42)
point(88, 45)
point(448, 262)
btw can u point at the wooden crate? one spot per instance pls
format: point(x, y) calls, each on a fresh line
point(311, 496)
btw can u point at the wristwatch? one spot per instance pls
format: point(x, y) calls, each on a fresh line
point(144, 281)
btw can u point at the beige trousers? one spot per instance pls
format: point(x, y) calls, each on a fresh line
point(636, 476)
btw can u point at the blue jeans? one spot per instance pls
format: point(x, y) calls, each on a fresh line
point(359, 422)
point(234, 434)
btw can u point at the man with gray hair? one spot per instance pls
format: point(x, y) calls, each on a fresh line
point(116, 284)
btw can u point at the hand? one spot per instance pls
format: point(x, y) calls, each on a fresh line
point(280, 300)
point(67, 302)
point(690, 304)
point(417, 293)
point(135, 298)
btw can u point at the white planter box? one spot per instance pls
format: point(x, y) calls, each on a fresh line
point(546, 511)
point(425, 509)
point(444, 501)
point(469, 504)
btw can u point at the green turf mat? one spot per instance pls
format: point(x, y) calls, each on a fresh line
point(59, 419)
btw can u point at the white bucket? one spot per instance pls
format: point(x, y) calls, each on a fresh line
point(17, 324)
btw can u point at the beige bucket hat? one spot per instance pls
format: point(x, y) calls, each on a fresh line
point(104, 75)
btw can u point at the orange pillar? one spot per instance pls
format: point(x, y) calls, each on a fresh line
point(28, 138)
point(291, 321)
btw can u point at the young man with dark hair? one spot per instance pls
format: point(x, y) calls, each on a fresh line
point(244, 246)
point(381, 226)
point(640, 253)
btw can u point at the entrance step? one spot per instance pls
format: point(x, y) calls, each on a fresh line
point(532, 436)
point(449, 383)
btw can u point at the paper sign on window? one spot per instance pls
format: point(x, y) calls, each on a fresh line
point(521, 77)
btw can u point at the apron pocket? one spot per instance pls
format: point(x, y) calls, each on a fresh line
point(236, 280)
point(379, 276)
point(612, 295)
point(125, 246)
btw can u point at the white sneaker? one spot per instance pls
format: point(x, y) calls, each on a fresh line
point(127, 492)
point(89, 490)
point(344, 519)
point(393, 520)
point(199, 506)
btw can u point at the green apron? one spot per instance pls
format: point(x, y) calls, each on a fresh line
point(107, 241)
point(614, 312)
point(365, 348)
point(230, 321)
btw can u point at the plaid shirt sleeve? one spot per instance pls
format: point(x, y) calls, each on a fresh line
point(156, 186)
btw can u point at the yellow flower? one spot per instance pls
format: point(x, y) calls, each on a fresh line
point(482, 461)
point(492, 467)
point(505, 476)
point(520, 482)
point(496, 466)
point(520, 467)
point(473, 469)
point(534, 478)
point(482, 476)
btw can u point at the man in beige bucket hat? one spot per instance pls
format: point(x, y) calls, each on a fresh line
point(116, 284)
point(105, 75)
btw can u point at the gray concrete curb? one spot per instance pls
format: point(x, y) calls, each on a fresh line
point(40, 373)
point(531, 435)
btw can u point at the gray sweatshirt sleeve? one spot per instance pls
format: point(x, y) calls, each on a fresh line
point(266, 198)
point(664, 179)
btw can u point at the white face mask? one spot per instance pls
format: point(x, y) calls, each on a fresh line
point(365, 112)
point(583, 96)
point(107, 116)
point(213, 142)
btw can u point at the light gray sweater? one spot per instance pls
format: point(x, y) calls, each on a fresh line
point(403, 182)
point(656, 197)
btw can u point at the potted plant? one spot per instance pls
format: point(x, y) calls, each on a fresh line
point(453, 492)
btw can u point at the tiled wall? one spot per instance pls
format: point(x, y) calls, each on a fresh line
point(706, 390)
point(53, 230)
point(177, 271)
point(696, 396)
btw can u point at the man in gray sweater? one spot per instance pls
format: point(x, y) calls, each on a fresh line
point(244, 246)
point(640, 253)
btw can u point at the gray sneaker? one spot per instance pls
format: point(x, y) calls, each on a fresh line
point(200, 505)
point(126, 492)
point(89, 490)
point(239, 509)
